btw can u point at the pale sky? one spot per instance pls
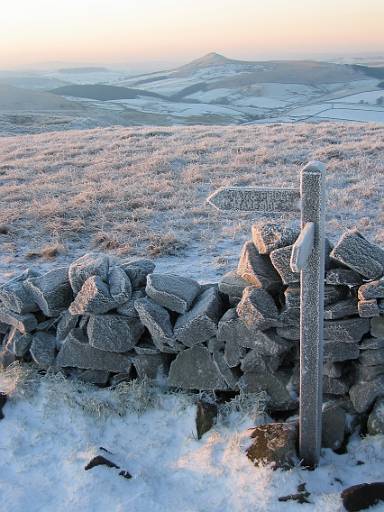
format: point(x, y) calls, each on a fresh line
point(123, 31)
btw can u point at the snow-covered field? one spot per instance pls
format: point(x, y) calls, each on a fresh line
point(53, 428)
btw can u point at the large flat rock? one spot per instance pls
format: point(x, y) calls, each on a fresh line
point(357, 253)
point(43, 349)
point(113, 333)
point(194, 368)
point(16, 297)
point(52, 291)
point(137, 271)
point(343, 277)
point(91, 264)
point(341, 309)
point(364, 394)
point(173, 292)
point(232, 284)
point(26, 322)
point(158, 322)
point(200, 323)
point(78, 353)
point(268, 236)
point(372, 290)
point(281, 259)
point(347, 330)
point(338, 351)
point(257, 269)
point(258, 310)
point(93, 298)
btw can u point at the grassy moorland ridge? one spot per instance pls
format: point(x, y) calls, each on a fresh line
point(137, 191)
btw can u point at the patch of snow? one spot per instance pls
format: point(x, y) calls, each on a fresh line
point(48, 438)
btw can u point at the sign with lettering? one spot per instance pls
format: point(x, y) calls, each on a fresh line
point(251, 199)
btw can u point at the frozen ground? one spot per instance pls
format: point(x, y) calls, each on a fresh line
point(142, 191)
point(52, 428)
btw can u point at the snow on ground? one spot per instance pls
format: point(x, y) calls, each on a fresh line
point(354, 114)
point(47, 437)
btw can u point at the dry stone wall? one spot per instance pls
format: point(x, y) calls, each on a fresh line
point(105, 320)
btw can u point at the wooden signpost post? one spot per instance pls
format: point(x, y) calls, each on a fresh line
point(307, 258)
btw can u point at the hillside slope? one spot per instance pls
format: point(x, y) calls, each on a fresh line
point(143, 190)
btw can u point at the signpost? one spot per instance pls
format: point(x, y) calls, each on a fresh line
point(308, 258)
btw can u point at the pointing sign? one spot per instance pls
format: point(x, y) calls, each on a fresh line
point(251, 199)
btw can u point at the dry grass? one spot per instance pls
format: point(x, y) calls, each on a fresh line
point(141, 191)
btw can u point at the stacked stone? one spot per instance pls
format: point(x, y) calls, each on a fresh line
point(107, 320)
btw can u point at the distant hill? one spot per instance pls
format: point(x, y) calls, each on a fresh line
point(17, 99)
point(88, 69)
point(102, 92)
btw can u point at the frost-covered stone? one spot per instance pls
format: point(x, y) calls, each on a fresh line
point(128, 308)
point(357, 253)
point(19, 343)
point(88, 265)
point(274, 443)
point(206, 414)
point(375, 422)
point(200, 323)
point(333, 386)
point(334, 293)
point(281, 259)
point(365, 393)
point(66, 323)
point(172, 292)
point(368, 308)
point(94, 297)
point(290, 317)
point(280, 399)
point(78, 353)
point(233, 353)
point(113, 333)
point(43, 349)
point(229, 375)
point(347, 330)
point(292, 297)
point(341, 309)
point(372, 290)
point(257, 269)
point(289, 332)
point(232, 284)
point(337, 351)
point(152, 366)
point(372, 357)
point(16, 297)
point(372, 343)
point(194, 369)
point(333, 426)
point(257, 309)
point(24, 323)
point(377, 327)
point(158, 322)
point(254, 361)
point(333, 370)
point(269, 236)
point(137, 271)
point(364, 373)
point(51, 292)
point(343, 277)
point(232, 328)
point(120, 286)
